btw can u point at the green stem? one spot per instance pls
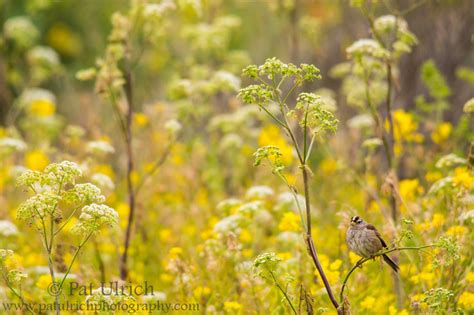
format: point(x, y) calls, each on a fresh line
point(284, 292)
point(73, 260)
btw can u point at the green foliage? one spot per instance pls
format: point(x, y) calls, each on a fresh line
point(434, 80)
point(273, 155)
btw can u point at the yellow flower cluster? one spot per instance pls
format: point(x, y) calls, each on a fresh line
point(42, 108)
point(441, 133)
point(332, 269)
point(404, 130)
point(463, 178)
point(290, 222)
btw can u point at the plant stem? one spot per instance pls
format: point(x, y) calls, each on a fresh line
point(5, 278)
point(73, 260)
point(310, 242)
point(128, 87)
point(284, 292)
point(304, 169)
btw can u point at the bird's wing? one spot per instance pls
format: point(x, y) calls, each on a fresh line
point(371, 227)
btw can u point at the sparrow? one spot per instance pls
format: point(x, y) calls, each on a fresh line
point(364, 240)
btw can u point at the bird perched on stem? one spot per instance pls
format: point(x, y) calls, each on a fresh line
point(364, 240)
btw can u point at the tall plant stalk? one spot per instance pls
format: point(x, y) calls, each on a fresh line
point(312, 119)
point(128, 89)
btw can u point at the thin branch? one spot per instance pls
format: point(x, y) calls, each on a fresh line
point(12, 289)
point(284, 293)
point(73, 260)
point(155, 167)
point(364, 260)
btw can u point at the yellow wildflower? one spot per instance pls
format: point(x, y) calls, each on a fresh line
point(140, 119)
point(165, 235)
point(166, 277)
point(232, 306)
point(404, 130)
point(175, 252)
point(438, 220)
point(466, 300)
point(43, 281)
point(373, 207)
point(284, 256)
point(456, 230)
point(470, 277)
point(335, 265)
point(290, 222)
point(368, 303)
point(208, 234)
point(353, 257)
point(433, 176)
point(247, 252)
point(105, 169)
point(64, 40)
point(201, 292)
point(392, 310)
point(441, 133)
point(328, 166)
point(409, 189)
point(245, 236)
point(462, 178)
point(36, 160)
point(42, 108)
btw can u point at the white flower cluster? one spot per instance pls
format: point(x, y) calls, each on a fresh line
point(388, 23)
point(249, 209)
point(228, 224)
point(21, 30)
point(103, 181)
point(64, 172)
point(366, 47)
point(38, 206)
point(259, 192)
point(227, 204)
point(361, 121)
point(286, 201)
point(16, 276)
point(173, 126)
point(156, 10)
point(43, 55)
point(450, 160)
point(5, 253)
point(7, 228)
point(231, 141)
point(54, 175)
point(469, 106)
point(34, 94)
point(107, 296)
point(100, 147)
point(84, 194)
point(93, 217)
point(12, 144)
point(227, 80)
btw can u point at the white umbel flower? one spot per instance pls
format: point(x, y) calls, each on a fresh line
point(7, 228)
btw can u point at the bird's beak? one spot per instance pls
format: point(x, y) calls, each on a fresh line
point(353, 223)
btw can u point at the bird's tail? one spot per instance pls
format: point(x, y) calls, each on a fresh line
point(391, 263)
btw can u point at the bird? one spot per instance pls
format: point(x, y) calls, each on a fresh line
point(364, 240)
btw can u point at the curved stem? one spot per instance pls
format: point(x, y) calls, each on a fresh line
point(364, 260)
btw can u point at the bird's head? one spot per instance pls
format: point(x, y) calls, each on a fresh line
point(356, 220)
